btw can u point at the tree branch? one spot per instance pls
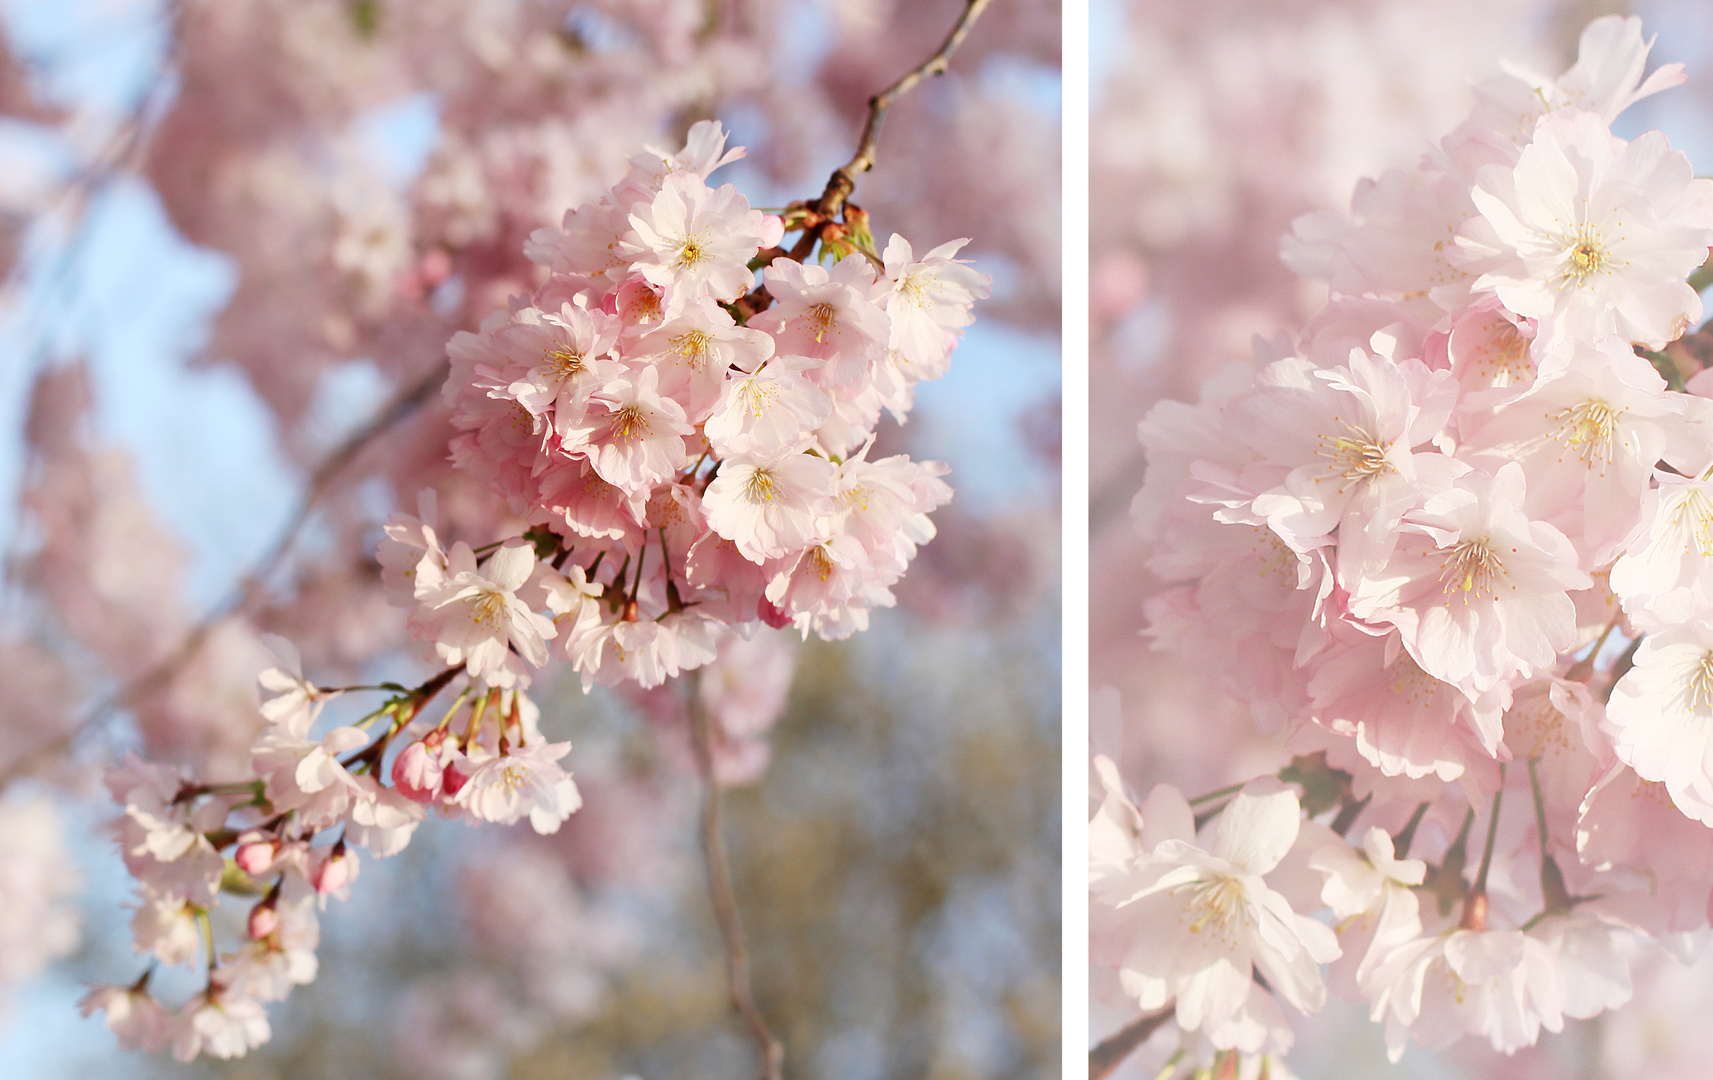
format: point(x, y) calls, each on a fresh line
point(249, 586)
point(767, 1046)
point(843, 180)
point(1105, 1058)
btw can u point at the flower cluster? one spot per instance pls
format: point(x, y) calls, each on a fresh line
point(1455, 541)
point(189, 844)
point(689, 449)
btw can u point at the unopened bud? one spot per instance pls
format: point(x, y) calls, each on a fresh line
point(417, 773)
point(255, 856)
point(456, 774)
point(264, 919)
point(772, 614)
point(331, 874)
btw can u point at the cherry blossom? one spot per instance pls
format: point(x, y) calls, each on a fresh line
point(1446, 546)
point(523, 782)
point(1197, 921)
point(474, 617)
point(649, 457)
point(1598, 234)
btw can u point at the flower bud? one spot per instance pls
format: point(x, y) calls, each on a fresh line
point(331, 874)
point(255, 856)
point(457, 774)
point(417, 773)
point(264, 919)
point(773, 615)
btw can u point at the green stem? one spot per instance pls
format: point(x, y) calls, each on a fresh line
point(1170, 1067)
point(253, 788)
point(1349, 810)
point(446, 721)
point(1554, 895)
point(1220, 794)
point(1492, 835)
point(1540, 803)
point(207, 926)
point(1401, 843)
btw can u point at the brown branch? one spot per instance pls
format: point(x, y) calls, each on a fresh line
point(1105, 1058)
point(767, 1046)
point(843, 180)
point(249, 586)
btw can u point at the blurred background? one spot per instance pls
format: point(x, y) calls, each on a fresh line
point(1214, 125)
point(235, 236)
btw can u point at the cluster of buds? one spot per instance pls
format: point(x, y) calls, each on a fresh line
point(690, 450)
point(1456, 541)
point(285, 841)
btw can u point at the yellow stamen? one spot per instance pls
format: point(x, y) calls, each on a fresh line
point(763, 487)
point(1355, 456)
point(694, 347)
point(629, 424)
point(691, 253)
point(1699, 693)
point(1472, 569)
point(1585, 256)
point(822, 319)
point(562, 363)
point(1589, 428)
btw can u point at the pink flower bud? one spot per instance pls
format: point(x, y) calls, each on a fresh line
point(255, 856)
point(772, 614)
point(331, 874)
point(264, 920)
point(457, 774)
point(772, 230)
point(417, 773)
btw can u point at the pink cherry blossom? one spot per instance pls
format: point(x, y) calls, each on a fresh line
point(770, 508)
point(828, 315)
point(475, 617)
point(694, 240)
point(1598, 233)
point(1479, 592)
point(525, 782)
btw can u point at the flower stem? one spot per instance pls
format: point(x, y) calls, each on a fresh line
point(1401, 843)
point(767, 1046)
point(1220, 794)
point(1111, 1051)
point(1475, 904)
point(1554, 895)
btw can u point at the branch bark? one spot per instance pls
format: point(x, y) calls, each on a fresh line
point(843, 180)
point(767, 1045)
point(1105, 1058)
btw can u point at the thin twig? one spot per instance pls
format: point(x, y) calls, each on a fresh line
point(843, 180)
point(1105, 1058)
point(767, 1046)
point(249, 586)
point(821, 221)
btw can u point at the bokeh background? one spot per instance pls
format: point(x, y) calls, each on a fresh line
point(233, 233)
point(1215, 124)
